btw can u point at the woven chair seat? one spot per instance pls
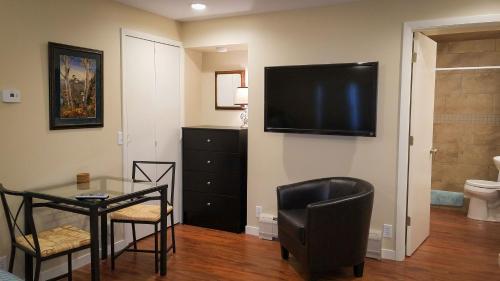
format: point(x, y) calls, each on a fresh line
point(57, 240)
point(149, 213)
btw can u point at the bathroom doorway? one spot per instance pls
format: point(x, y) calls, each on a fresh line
point(455, 125)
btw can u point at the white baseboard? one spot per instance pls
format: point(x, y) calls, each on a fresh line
point(77, 263)
point(388, 254)
point(252, 230)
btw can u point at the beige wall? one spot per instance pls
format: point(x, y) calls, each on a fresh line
point(192, 87)
point(359, 31)
point(199, 75)
point(31, 155)
point(236, 60)
point(467, 114)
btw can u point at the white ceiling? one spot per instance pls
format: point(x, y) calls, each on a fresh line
point(181, 9)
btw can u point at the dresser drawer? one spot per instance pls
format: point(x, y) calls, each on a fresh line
point(212, 211)
point(208, 161)
point(212, 140)
point(221, 183)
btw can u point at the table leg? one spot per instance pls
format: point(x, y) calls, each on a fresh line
point(163, 233)
point(28, 259)
point(104, 236)
point(94, 244)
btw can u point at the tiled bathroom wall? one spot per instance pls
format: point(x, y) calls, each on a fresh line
point(467, 114)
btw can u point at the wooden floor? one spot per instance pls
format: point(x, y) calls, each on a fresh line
point(457, 249)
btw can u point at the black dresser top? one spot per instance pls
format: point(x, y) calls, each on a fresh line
point(215, 127)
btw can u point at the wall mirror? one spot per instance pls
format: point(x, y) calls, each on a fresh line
point(226, 83)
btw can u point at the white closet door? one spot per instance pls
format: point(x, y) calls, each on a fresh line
point(139, 92)
point(167, 110)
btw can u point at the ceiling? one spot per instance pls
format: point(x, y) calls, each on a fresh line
point(181, 9)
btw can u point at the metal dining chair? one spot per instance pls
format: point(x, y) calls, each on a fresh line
point(145, 214)
point(48, 244)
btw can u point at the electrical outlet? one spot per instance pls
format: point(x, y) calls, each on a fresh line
point(387, 230)
point(258, 211)
point(3, 263)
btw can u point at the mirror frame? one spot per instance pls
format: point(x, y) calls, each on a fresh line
point(243, 84)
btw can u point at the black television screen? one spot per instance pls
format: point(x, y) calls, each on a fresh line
point(333, 99)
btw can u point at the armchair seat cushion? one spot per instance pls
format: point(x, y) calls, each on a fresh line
point(293, 222)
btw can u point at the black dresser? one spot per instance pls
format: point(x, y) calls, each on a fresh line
point(215, 177)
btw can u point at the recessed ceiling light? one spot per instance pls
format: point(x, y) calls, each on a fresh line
point(198, 6)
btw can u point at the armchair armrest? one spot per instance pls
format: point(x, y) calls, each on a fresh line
point(299, 195)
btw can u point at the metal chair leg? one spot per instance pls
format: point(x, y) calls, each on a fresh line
point(12, 258)
point(112, 234)
point(134, 236)
point(156, 248)
point(37, 269)
point(172, 228)
point(70, 268)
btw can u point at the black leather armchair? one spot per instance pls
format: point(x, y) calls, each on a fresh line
point(324, 223)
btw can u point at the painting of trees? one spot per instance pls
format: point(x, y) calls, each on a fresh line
point(78, 89)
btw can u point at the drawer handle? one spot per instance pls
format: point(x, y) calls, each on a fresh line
point(209, 204)
point(209, 140)
point(209, 182)
point(209, 162)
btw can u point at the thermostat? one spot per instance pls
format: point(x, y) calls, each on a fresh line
point(11, 96)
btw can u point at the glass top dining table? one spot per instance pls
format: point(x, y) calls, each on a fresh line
point(122, 193)
point(117, 189)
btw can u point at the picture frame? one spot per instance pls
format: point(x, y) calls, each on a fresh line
point(226, 83)
point(76, 96)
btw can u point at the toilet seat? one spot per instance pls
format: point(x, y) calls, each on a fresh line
point(483, 184)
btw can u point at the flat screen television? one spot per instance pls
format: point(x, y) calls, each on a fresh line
point(329, 99)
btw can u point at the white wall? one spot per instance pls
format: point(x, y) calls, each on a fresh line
point(358, 31)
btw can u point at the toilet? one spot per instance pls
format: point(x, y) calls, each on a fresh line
point(484, 197)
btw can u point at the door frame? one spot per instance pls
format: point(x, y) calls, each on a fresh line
point(145, 36)
point(404, 112)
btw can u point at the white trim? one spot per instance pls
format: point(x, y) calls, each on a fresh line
point(388, 254)
point(252, 230)
point(404, 112)
point(78, 262)
point(467, 68)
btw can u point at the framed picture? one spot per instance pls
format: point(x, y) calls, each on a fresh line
point(75, 87)
point(226, 83)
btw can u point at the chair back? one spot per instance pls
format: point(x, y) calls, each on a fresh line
point(156, 168)
point(12, 219)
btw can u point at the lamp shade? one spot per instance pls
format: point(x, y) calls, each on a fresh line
point(241, 96)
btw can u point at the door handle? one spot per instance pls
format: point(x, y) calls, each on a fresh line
point(434, 151)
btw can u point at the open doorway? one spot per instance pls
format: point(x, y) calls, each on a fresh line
point(454, 133)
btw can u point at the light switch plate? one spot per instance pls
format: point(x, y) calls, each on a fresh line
point(120, 138)
point(11, 96)
point(387, 231)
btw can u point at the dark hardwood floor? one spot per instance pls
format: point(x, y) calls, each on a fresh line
point(457, 249)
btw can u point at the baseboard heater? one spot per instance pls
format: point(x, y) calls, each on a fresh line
point(268, 227)
point(374, 249)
